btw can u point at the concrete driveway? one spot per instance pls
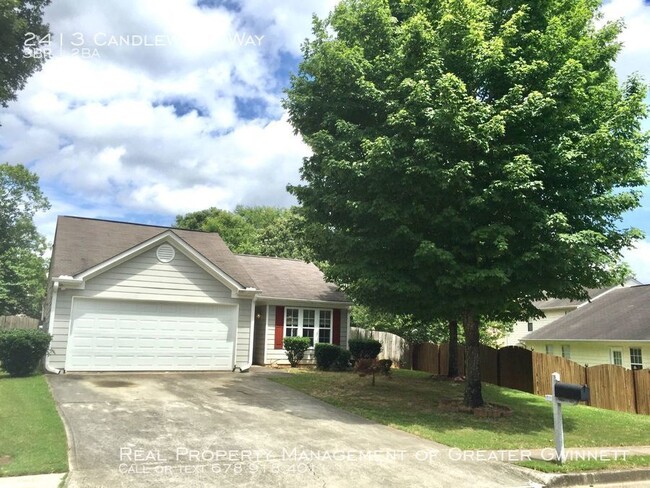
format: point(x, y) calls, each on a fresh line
point(233, 429)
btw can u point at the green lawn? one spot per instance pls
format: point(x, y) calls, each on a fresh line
point(32, 437)
point(630, 462)
point(409, 400)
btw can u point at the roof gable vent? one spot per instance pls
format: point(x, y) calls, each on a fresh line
point(165, 253)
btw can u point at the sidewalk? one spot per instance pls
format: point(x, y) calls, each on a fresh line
point(550, 480)
point(614, 477)
point(547, 454)
point(35, 481)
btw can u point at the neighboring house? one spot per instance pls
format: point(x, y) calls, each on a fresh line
point(613, 329)
point(553, 308)
point(130, 297)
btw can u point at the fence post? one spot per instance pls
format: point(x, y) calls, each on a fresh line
point(636, 395)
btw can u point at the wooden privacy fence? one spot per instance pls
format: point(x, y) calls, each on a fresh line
point(17, 322)
point(611, 387)
point(434, 359)
point(393, 347)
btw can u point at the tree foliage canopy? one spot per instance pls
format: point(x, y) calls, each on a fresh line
point(265, 231)
point(469, 156)
point(19, 19)
point(22, 267)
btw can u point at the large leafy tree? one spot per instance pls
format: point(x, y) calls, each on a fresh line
point(21, 28)
point(260, 230)
point(22, 266)
point(469, 156)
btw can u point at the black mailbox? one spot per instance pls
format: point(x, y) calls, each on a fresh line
point(570, 392)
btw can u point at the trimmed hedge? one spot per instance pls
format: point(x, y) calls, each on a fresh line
point(295, 348)
point(342, 362)
point(21, 350)
point(325, 355)
point(364, 348)
point(331, 357)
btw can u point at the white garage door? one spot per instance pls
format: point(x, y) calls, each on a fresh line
point(122, 335)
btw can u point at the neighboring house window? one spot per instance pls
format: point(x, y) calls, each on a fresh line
point(617, 357)
point(566, 352)
point(307, 322)
point(636, 358)
point(530, 326)
point(549, 349)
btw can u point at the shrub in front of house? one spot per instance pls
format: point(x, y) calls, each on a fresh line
point(384, 365)
point(342, 361)
point(330, 357)
point(295, 348)
point(21, 350)
point(325, 355)
point(364, 349)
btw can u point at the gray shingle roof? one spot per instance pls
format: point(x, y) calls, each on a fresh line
point(290, 279)
point(82, 243)
point(568, 303)
point(622, 314)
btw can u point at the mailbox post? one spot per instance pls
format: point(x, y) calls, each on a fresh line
point(563, 393)
point(557, 420)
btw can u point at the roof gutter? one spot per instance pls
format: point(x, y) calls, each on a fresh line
point(70, 282)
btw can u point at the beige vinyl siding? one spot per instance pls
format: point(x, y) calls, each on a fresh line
point(592, 353)
point(145, 278)
point(520, 329)
point(260, 334)
point(279, 356)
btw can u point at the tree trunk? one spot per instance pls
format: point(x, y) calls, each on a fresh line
point(452, 371)
point(473, 397)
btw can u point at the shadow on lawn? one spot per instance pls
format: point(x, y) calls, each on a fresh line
point(408, 401)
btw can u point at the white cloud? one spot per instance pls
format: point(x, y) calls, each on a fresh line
point(156, 129)
point(638, 258)
point(636, 49)
point(128, 132)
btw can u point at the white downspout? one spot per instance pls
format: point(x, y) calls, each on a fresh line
point(50, 325)
point(244, 368)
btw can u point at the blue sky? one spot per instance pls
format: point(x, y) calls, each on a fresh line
point(155, 108)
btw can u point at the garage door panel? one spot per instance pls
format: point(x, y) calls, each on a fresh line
point(118, 335)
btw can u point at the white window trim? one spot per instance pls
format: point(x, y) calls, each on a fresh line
point(317, 328)
point(633, 364)
point(612, 350)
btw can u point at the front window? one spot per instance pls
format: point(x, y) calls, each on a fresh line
point(636, 358)
point(549, 349)
point(292, 322)
point(325, 326)
point(308, 325)
point(530, 326)
point(312, 323)
point(566, 352)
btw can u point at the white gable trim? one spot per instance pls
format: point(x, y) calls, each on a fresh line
point(296, 302)
point(165, 237)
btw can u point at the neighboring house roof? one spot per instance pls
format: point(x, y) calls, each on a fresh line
point(552, 303)
point(82, 243)
point(290, 279)
point(622, 314)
